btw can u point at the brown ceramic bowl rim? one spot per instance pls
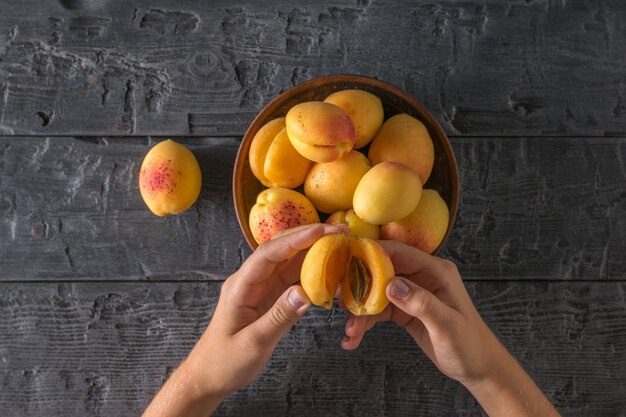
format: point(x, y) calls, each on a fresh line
point(269, 109)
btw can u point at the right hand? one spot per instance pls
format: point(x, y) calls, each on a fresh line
point(429, 300)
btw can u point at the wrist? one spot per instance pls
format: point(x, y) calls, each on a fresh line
point(498, 376)
point(202, 383)
point(508, 390)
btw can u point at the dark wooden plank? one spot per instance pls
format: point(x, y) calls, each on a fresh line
point(76, 67)
point(531, 208)
point(70, 208)
point(94, 349)
point(541, 208)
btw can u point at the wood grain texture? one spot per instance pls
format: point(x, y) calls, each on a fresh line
point(94, 349)
point(70, 208)
point(497, 68)
point(531, 208)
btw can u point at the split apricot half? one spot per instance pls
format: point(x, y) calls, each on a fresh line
point(360, 266)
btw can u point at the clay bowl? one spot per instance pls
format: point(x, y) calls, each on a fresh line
point(445, 174)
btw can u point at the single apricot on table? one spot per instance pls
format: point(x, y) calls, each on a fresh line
point(169, 178)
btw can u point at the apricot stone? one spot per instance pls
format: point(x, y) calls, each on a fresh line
point(169, 178)
point(361, 266)
point(356, 226)
point(386, 193)
point(404, 139)
point(365, 110)
point(273, 159)
point(319, 131)
point(425, 227)
point(278, 209)
point(330, 185)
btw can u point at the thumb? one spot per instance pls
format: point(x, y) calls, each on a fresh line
point(420, 303)
point(285, 312)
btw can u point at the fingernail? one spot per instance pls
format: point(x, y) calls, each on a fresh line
point(399, 289)
point(295, 299)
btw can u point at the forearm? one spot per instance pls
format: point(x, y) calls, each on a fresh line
point(510, 392)
point(184, 395)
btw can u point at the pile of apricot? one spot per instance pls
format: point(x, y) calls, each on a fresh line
point(310, 162)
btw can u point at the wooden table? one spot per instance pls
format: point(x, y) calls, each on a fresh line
point(100, 300)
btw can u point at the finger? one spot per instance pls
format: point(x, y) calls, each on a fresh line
point(420, 303)
point(285, 232)
point(408, 259)
point(260, 265)
point(357, 326)
point(289, 271)
point(289, 307)
point(339, 298)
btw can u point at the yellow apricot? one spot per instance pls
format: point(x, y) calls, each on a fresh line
point(365, 110)
point(319, 131)
point(404, 139)
point(273, 159)
point(369, 271)
point(361, 265)
point(284, 166)
point(330, 185)
point(278, 209)
point(260, 145)
point(169, 178)
point(386, 193)
point(425, 227)
point(323, 268)
point(357, 227)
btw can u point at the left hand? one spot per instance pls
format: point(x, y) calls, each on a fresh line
point(257, 305)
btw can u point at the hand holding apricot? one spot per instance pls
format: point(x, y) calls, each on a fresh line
point(361, 266)
point(428, 299)
point(257, 305)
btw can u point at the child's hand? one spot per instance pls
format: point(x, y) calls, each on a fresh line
point(430, 301)
point(257, 305)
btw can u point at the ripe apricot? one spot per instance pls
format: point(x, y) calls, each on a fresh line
point(386, 193)
point(319, 131)
point(365, 110)
point(330, 185)
point(278, 209)
point(404, 139)
point(274, 160)
point(169, 178)
point(357, 226)
point(425, 227)
point(361, 266)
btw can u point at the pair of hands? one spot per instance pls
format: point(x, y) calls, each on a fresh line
point(261, 301)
